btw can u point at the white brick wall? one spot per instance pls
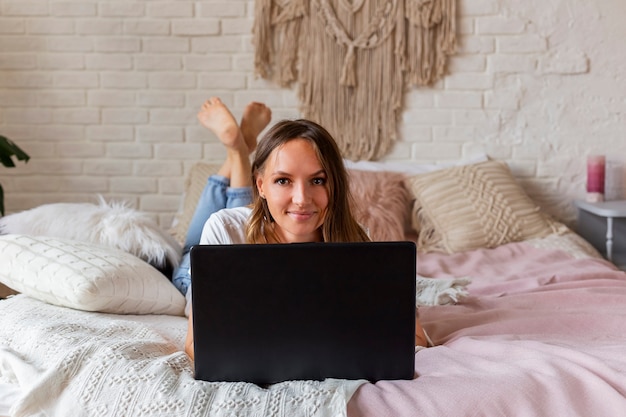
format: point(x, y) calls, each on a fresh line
point(103, 95)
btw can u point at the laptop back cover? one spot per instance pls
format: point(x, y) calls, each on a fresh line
point(269, 313)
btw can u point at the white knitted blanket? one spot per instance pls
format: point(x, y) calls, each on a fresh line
point(64, 362)
point(440, 291)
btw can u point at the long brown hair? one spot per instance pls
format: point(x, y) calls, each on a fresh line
point(339, 224)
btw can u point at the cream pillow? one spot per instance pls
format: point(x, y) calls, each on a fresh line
point(194, 185)
point(85, 276)
point(475, 206)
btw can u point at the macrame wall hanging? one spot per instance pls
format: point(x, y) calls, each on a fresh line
point(352, 59)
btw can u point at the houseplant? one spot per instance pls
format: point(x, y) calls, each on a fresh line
point(8, 149)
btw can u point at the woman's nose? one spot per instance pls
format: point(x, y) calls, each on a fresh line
point(300, 193)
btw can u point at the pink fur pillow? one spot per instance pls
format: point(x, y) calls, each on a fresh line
point(382, 203)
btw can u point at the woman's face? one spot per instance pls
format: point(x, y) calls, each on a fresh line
point(294, 185)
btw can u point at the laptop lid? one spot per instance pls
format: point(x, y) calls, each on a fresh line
point(274, 312)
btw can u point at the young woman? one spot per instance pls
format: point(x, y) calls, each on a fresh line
point(300, 194)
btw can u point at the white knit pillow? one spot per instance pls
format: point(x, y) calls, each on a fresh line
point(85, 276)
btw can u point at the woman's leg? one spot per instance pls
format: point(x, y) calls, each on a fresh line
point(256, 117)
point(231, 186)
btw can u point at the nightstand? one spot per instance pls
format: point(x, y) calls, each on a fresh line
point(603, 224)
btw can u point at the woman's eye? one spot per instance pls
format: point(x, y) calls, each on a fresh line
point(319, 181)
point(282, 181)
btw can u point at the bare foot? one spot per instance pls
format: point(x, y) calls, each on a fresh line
point(216, 117)
point(255, 117)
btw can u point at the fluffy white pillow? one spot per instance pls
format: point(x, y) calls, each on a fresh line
point(111, 224)
point(85, 276)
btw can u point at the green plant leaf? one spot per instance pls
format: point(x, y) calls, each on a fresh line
point(9, 149)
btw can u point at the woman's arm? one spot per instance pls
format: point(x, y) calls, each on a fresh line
point(226, 227)
point(420, 336)
point(189, 339)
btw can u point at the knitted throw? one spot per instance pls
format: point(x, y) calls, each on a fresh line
point(352, 59)
point(70, 363)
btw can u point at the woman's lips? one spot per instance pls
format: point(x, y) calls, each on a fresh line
point(301, 215)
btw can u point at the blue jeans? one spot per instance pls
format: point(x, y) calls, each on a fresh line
point(217, 195)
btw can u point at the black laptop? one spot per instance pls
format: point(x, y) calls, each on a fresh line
point(304, 311)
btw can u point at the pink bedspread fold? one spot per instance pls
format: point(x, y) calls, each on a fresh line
point(542, 334)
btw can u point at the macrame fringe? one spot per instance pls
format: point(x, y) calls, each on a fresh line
point(431, 34)
point(351, 60)
point(262, 39)
point(348, 71)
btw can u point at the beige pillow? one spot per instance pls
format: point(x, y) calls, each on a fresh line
point(476, 206)
point(382, 203)
point(194, 184)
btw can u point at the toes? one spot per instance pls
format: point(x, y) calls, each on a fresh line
point(211, 101)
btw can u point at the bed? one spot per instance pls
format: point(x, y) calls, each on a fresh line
point(540, 329)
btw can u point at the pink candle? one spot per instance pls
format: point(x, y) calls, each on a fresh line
point(595, 177)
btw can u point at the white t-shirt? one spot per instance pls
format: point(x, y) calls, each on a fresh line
point(226, 227)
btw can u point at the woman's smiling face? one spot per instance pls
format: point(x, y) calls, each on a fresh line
point(293, 183)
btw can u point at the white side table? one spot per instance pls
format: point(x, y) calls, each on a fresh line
point(609, 210)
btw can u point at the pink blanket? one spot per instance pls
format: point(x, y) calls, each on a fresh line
point(542, 334)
